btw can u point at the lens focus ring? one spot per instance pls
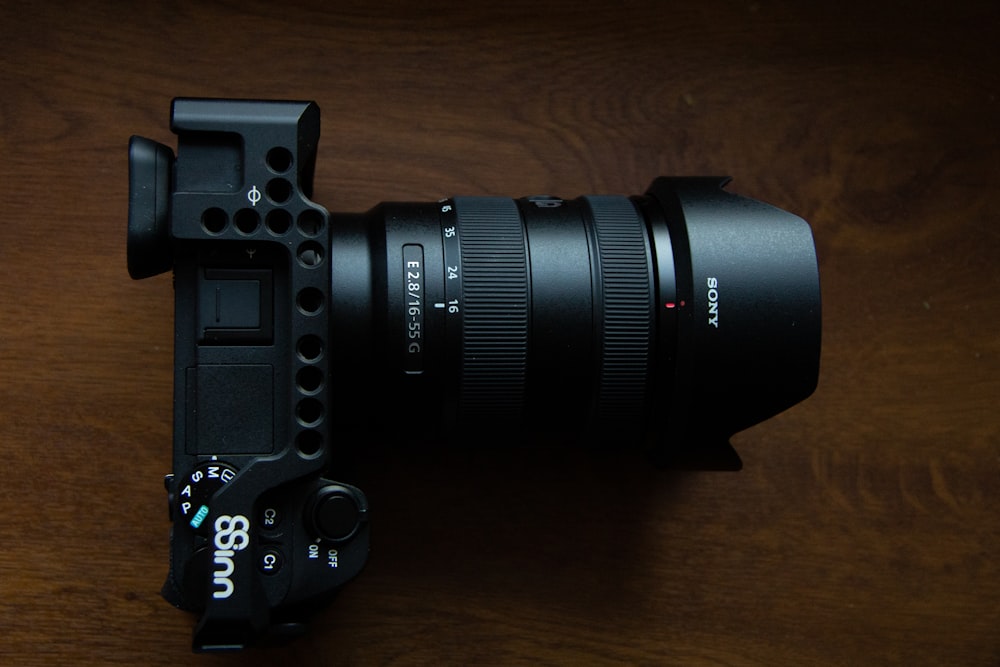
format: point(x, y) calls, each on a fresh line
point(626, 300)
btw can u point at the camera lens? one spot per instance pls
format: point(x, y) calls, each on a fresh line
point(676, 318)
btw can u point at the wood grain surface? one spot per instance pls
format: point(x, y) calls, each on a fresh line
point(864, 527)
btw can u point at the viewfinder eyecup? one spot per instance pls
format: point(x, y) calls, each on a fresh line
point(149, 167)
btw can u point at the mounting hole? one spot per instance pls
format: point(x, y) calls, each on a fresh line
point(246, 220)
point(310, 254)
point(308, 442)
point(310, 348)
point(310, 300)
point(309, 379)
point(279, 190)
point(279, 159)
point(311, 222)
point(278, 221)
point(214, 220)
point(309, 412)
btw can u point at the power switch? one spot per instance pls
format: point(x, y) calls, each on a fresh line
point(335, 512)
point(235, 307)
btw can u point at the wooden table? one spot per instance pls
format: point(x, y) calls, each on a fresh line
point(864, 527)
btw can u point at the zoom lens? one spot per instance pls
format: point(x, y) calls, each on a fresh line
point(678, 317)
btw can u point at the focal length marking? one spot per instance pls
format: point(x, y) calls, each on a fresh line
point(452, 261)
point(451, 306)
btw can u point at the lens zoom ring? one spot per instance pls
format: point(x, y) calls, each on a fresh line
point(628, 309)
point(494, 307)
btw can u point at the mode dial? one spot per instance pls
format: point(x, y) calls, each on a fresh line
point(196, 491)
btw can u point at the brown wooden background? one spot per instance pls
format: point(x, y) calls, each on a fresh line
point(864, 528)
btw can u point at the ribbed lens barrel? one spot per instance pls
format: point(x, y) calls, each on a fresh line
point(506, 358)
point(495, 308)
point(624, 309)
point(607, 316)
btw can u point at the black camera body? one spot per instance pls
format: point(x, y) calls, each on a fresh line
point(258, 532)
point(672, 319)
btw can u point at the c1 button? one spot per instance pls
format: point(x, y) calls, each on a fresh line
point(270, 561)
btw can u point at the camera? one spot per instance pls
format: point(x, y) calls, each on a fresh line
point(667, 321)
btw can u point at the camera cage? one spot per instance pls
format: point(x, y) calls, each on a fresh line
point(260, 534)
